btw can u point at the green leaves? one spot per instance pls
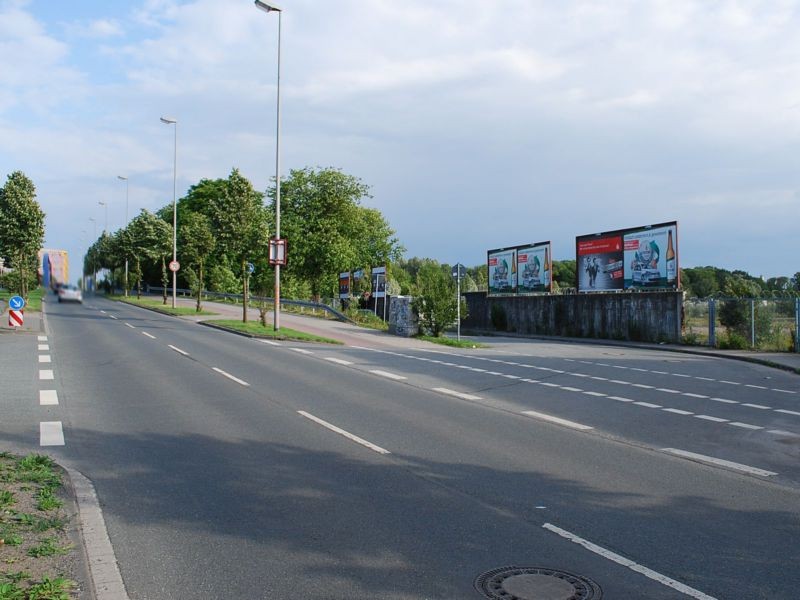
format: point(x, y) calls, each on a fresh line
point(21, 226)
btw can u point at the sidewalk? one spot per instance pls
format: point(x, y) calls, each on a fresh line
point(354, 336)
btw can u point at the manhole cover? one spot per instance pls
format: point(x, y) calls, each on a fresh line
point(536, 583)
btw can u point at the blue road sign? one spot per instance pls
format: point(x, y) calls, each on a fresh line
point(251, 268)
point(16, 303)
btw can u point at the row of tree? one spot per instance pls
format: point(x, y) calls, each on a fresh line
point(21, 232)
point(225, 224)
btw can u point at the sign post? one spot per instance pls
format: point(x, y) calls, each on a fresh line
point(459, 271)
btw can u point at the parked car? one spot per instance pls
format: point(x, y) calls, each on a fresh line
point(69, 293)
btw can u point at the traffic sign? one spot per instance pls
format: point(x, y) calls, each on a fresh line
point(251, 268)
point(16, 303)
point(459, 271)
point(15, 318)
point(174, 266)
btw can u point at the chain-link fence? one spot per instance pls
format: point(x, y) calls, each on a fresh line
point(743, 323)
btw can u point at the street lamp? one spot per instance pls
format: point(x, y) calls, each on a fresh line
point(266, 7)
point(105, 205)
point(169, 121)
point(127, 189)
point(94, 264)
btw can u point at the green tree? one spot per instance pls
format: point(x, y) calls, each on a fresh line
point(21, 228)
point(241, 226)
point(151, 240)
point(196, 243)
point(327, 229)
point(564, 273)
point(435, 303)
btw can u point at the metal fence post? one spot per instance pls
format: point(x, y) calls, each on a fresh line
point(712, 323)
point(752, 323)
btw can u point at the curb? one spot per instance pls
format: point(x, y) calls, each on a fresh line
point(641, 346)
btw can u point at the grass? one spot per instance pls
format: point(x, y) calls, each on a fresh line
point(256, 328)
point(158, 304)
point(446, 341)
point(32, 303)
point(33, 531)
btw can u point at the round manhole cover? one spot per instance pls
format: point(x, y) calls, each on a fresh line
point(536, 583)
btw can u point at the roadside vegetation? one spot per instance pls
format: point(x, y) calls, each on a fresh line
point(158, 304)
point(32, 302)
point(267, 331)
point(37, 558)
point(452, 342)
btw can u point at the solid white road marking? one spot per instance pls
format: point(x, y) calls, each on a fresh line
point(626, 562)
point(152, 337)
point(557, 420)
point(42, 338)
point(745, 425)
point(709, 418)
point(48, 397)
point(45, 374)
point(51, 433)
point(338, 361)
point(44, 358)
point(761, 406)
point(346, 434)
point(178, 350)
point(229, 376)
point(677, 411)
point(270, 342)
point(301, 350)
point(43, 347)
point(787, 412)
point(457, 394)
point(387, 374)
point(719, 461)
point(129, 325)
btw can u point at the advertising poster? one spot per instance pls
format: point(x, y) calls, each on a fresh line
point(378, 282)
point(534, 272)
point(651, 257)
point(344, 286)
point(502, 265)
point(600, 262)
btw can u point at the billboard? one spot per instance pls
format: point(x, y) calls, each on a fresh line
point(637, 258)
point(344, 286)
point(378, 282)
point(534, 272)
point(502, 264)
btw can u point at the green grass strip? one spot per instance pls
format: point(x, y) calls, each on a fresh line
point(257, 329)
point(158, 304)
point(446, 341)
point(33, 302)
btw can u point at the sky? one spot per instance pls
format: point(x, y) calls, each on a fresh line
point(476, 124)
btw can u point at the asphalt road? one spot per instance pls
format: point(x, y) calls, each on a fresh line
point(232, 468)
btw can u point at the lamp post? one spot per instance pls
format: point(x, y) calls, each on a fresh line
point(94, 264)
point(105, 205)
point(267, 7)
point(127, 189)
point(169, 121)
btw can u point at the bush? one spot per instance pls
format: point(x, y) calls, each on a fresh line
point(734, 341)
point(499, 318)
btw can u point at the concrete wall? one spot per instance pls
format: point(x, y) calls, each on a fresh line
point(639, 316)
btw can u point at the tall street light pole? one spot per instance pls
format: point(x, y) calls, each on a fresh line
point(169, 121)
point(105, 205)
point(94, 264)
point(127, 189)
point(267, 7)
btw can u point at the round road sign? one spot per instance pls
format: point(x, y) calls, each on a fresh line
point(16, 302)
point(174, 266)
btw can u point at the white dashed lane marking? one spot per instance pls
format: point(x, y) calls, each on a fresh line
point(51, 433)
point(556, 420)
point(462, 395)
point(344, 433)
point(42, 338)
point(43, 348)
point(231, 377)
point(178, 350)
point(301, 351)
point(387, 374)
point(338, 361)
point(719, 461)
point(45, 374)
point(129, 325)
point(44, 358)
point(48, 397)
point(152, 337)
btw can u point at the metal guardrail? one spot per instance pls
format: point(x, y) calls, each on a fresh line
point(338, 315)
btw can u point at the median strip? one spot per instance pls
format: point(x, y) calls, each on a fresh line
point(344, 433)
